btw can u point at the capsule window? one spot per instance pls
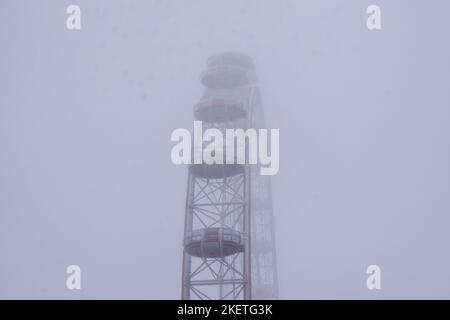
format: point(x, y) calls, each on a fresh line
point(196, 237)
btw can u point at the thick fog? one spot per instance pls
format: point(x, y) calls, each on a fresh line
point(86, 116)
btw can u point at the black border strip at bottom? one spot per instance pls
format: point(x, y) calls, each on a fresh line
point(176, 309)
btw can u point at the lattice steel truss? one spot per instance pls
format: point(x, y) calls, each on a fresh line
point(216, 203)
point(229, 248)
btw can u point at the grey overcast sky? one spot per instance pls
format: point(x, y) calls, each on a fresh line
point(86, 117)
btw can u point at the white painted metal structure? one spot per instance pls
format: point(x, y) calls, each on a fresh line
point(229, 243)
